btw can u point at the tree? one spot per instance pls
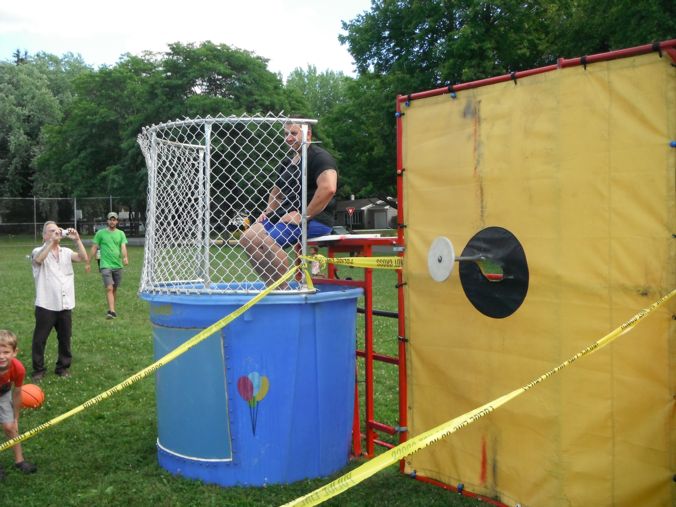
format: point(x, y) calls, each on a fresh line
point(360, 128)
point(595, 26)
point(20, 57)
point(25, 102)
point(453, 41)
point(322, 91)
point(94, 150)
point(33, 92)
point(404, 46)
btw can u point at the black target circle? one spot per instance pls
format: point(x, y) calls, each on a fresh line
point(496, 299)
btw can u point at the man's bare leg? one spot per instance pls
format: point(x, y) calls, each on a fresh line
point(267, 258)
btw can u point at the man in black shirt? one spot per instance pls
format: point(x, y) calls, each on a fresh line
point(279, 225)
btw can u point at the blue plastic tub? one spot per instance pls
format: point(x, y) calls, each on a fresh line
point(267, 400)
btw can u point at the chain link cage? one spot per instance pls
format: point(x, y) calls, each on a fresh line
point(209, 181)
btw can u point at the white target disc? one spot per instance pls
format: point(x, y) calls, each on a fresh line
point(440, 258)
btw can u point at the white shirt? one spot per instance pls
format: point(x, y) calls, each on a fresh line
point(54, 280)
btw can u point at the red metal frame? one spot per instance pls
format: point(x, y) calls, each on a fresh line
point(403, 340)
point(668, 46)
point(363, 247)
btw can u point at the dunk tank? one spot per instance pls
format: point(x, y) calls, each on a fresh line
point(269, 397)
point(551, 192)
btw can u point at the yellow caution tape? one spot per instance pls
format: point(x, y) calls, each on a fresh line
point(431, 436)
point(308, 277)
point(199, 337)
point(359, 262)
point(203, 335)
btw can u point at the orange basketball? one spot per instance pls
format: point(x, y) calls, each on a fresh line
point(31, 396)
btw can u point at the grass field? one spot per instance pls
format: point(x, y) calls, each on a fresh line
point(106, 455)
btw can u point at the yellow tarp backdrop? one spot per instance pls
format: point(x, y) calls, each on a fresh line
point(576, 163)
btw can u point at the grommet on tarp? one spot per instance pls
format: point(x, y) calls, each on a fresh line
point(408, 100)
point(656, 47)
point(513, 76)
point(451, 91)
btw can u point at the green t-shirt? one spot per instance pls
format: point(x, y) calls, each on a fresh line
point(110, 243)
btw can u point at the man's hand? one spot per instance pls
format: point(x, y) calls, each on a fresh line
point(292, 217)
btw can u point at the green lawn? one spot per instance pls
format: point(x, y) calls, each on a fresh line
point(106, 454)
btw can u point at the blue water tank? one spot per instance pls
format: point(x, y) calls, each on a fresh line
point(269, 399)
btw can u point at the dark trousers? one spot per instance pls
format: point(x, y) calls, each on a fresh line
point(62, 322)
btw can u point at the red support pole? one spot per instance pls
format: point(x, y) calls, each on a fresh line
point(364, 247)
point(380, 357)
point(401, 325)
point(356, 421)
point(368, 359)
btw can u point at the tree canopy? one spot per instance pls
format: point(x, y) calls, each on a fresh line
point(94, 147)
point(405, 46)
point(33, 95)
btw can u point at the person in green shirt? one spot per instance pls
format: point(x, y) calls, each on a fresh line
point(113, 244)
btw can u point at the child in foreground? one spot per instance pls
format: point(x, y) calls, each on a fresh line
point(12, 374)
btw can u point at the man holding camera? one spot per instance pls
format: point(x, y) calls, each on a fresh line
point(113, 244)
point(54, 296)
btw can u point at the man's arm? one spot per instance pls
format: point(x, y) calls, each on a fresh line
point(92, 255)
point(274, 202)
point(44, 252)
point(81, 254)
point(125, 257)
point(16, 403)
point(327, 184)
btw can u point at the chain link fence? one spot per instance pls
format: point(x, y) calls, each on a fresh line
point(24, 216)
point(209, 180)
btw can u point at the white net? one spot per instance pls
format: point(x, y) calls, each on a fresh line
point(209, 181)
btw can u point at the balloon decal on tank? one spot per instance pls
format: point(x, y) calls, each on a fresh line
point(253, 388)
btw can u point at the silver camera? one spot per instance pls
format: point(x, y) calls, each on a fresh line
point(64, 233)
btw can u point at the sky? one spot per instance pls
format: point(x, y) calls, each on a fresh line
point(289, 34)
